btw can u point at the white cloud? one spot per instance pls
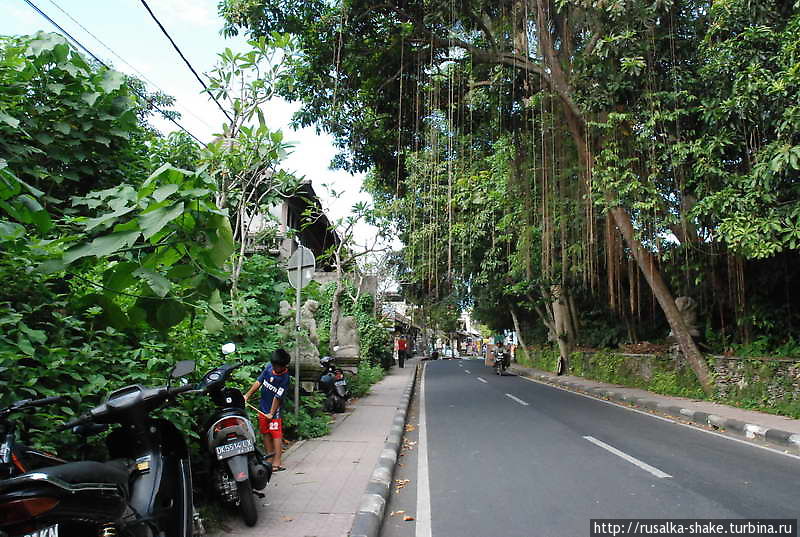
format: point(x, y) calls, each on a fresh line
point(22, 16)
point(198, 12)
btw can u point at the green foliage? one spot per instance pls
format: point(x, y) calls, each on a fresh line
point(310, 422)
point(367, 375)
point(111, 276)
point(66, 126)
point(375, 341)
point(165, 243)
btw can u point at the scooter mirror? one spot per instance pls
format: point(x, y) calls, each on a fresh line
point(229, 348)
point(182, 368)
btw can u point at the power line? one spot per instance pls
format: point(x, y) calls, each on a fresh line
point(189, 65)
point(101, 62)
point(134, 69)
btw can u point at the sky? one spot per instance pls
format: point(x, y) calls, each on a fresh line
point(140, 49)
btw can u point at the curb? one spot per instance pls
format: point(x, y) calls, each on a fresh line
point(750, 431)
point(367, 521)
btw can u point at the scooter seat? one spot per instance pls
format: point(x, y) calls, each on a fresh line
point(112, 473)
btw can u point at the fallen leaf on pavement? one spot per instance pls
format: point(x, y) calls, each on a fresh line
point(407, 518)
point(410, 428)
point(287, 519)
point(397, 513)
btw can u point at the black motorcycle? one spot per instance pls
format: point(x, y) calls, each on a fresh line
point(333, 384)
point(17, 458)
point(238, 468)
point(502, 361)
point(145, 490)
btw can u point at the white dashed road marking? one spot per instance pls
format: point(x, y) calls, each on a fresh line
point(517, 399)
point(633, 460)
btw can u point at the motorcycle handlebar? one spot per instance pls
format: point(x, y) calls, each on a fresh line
point(182, 389)
point(47, 401)
point(80, 420)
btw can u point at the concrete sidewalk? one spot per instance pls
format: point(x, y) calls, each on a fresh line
point(326, 478)
point(776, 431)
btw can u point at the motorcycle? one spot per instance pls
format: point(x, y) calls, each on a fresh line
point(238, 468)
point(145, 490)
point(17, 458)
point(333, 384)
point(502, 361)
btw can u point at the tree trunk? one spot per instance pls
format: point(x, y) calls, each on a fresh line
point(622, 220)
point(517, 328)
point(335, 309)
point(562, 323)
point(696, 360)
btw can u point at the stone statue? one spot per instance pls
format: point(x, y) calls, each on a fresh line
point(347, 337)
point(687, 307)
point(308, 337)
point(307, 321)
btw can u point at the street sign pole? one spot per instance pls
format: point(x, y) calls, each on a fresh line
point(297, 331)
point(300, 268)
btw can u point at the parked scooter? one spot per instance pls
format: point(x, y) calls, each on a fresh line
point(333, 384)
point(144, 491)
point(17, 458)
point(238, 468)
point(502, 361)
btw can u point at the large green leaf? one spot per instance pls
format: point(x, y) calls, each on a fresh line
point(222, 245)
point(169, 314)
point(163, 192)
point(152, 222)
point(157, 282)
point(112, 314)
point(112, 81)
point(102, 246)
point(12, 121)
point(120, 277)
point(214, 320)
point(108, 218)
point(10, 231)
point(9, 184)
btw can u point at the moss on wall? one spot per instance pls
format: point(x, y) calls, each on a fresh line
point(767, 386)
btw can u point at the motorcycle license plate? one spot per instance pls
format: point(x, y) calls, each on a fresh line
point(50, 531)
point(340, 382)
point(236, 448)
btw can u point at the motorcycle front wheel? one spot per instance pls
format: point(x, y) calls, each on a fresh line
point(247, 503)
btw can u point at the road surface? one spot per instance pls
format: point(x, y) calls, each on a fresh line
point(505, 456)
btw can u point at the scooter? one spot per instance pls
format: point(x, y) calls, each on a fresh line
point(502, 361)
point(238, 468)
point(17, 458)
point(144, 491)
point(333, 384)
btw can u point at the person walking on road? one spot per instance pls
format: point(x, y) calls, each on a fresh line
point(273, 381)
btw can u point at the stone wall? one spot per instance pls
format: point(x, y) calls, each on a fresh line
point(767, 382)
point(771, 380)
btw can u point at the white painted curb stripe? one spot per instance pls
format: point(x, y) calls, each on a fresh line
point(633, 460)
point(423, 523)
point(482, 379)
point(517, 399)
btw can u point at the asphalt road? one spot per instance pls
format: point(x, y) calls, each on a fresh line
point(504, 456)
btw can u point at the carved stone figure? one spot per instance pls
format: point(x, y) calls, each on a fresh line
point(687, 307)
point(348, 346)
point(308, 337)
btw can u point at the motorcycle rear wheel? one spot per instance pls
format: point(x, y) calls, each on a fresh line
point(247, 503)
point(338, 405)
